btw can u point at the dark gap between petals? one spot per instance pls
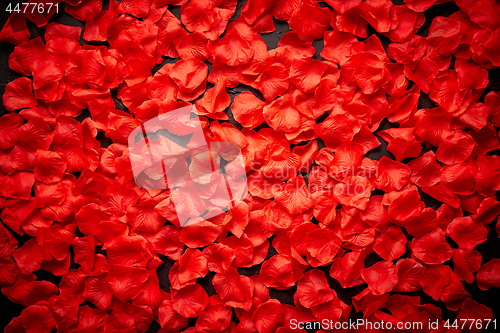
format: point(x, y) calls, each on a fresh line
point(135, 17)
point(162, 272)
point(452, 62)
point(322, 118)
point(453, 245)
point(72, 263)
point(407, 253)
point(206, 283)
point(89, 304)
point(166, 60)
point(371, 259)
point(43, 275)
point(21, 239)
point(176, 11)
point(284, 296)
point(493, 83)
point(344, 294)
point(154, 327)
point(321, 143)
point(488, 297)
point(8, 74)
point(273, 38)
point(237, 12)
point(428, 200)
point(426, 299)
point(490, 249)
point(85, 113)
point(234, 317)
point(318, 45)
point(103, 139)
point(377, 153)
point(192, 321)
point(105, 4)
point(97, 43)
point(35, 31)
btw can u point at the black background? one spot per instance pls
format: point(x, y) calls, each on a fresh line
point(489, 250)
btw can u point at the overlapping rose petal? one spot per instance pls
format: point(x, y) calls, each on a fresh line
point(310, 179)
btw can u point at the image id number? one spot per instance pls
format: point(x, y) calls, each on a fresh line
point(33, 7)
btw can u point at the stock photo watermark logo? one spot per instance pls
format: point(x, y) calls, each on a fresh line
point(206, 178)
point(172, 152)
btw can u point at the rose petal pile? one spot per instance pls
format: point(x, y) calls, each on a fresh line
point(318, 206)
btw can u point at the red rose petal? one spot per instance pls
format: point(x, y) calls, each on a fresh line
point(189, 301)
point(392, 176)
point(391, 244)
point(313, 289)
point(381, 277)
point(310, 21)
